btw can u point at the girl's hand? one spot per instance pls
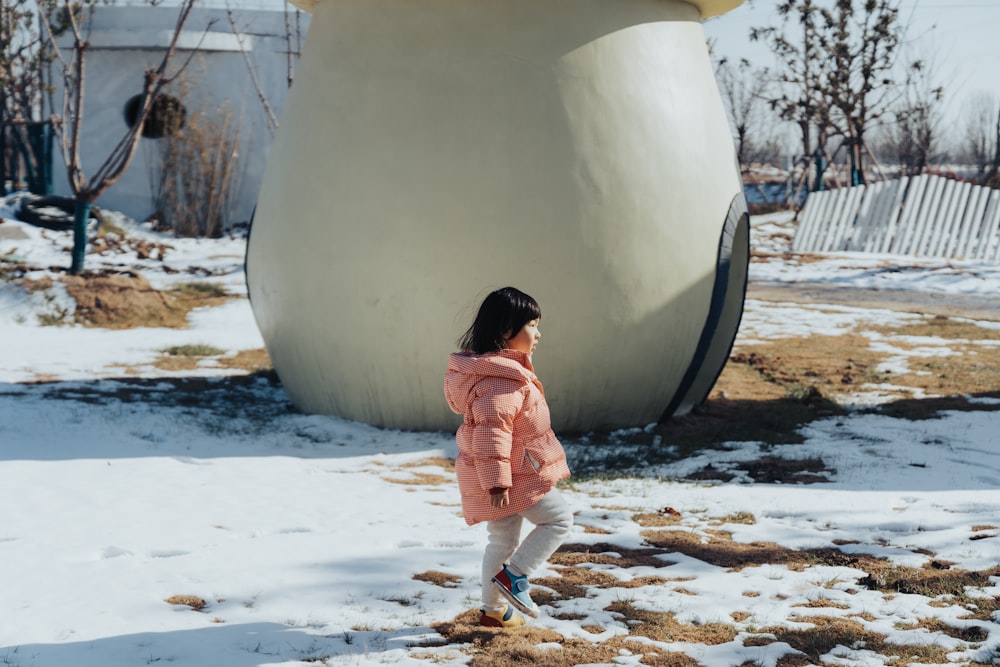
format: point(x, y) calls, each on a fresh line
point(499, 498)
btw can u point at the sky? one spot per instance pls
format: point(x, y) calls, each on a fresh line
point(958, 38)
point(126, 492)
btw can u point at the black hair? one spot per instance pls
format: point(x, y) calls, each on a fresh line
point(503, 313)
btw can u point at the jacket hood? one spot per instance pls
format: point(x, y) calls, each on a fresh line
point(466, 370)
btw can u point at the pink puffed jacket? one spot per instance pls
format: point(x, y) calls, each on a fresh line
point(506, 439)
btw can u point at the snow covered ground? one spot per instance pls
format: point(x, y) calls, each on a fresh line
point(302, 534)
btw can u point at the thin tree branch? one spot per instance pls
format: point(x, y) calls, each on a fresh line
point(272, 120)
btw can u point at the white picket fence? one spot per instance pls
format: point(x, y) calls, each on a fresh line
point(928, 216)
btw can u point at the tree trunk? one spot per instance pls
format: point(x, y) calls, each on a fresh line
point(81, 216)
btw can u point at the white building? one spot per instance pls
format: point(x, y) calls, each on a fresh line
point(128, 38)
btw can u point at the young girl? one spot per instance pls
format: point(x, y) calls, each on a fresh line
point(509, 460)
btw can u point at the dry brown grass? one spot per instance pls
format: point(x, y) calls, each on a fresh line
point(722, 551)
point(520, 646)
point(432, 461)
point(572, 582)
point(421, 479)
point(251, 361)
point(657, 519)
point(745, 518)
point(416, 477)
point(945, 327)
point(971, 368)
point(181, 359)
point(594, 530)
point(828, 632)
point(822, 604)
point(442, 579)
point(927, 581)
point(768, 391)
point(127, 300)
point(574, 578)
point(973, 634)
point(793, 363)
point(175, 364)
point(192, 601)
point(33, 286)
point(608, 554)
point(664, 627)
point(812, 636)
point(122, 301)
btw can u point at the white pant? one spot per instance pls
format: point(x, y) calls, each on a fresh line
point(552, 518)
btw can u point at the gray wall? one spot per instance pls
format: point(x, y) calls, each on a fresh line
point(128, 40)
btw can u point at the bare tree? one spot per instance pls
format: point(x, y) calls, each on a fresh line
point(835, 78)
point(742, 92)
point(25, 135)
point(76, 18)
point(293, 39)
point(798, 95)
point(862, 44)
point(915, 134)
point(272, 119)
point(981, 140)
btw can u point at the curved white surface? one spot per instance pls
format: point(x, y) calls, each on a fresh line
point(576, 149)
point(706, 8)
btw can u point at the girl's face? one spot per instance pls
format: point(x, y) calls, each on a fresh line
point(526, 339)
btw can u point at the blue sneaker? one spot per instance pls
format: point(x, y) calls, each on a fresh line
point(515, 589)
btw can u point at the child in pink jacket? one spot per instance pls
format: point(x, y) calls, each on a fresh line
point(509, 460)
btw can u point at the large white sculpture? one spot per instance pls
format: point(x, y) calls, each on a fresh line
point(432, 151)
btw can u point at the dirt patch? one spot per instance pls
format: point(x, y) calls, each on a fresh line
point(127, 300)
point(794, 367)
point(122, 301)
